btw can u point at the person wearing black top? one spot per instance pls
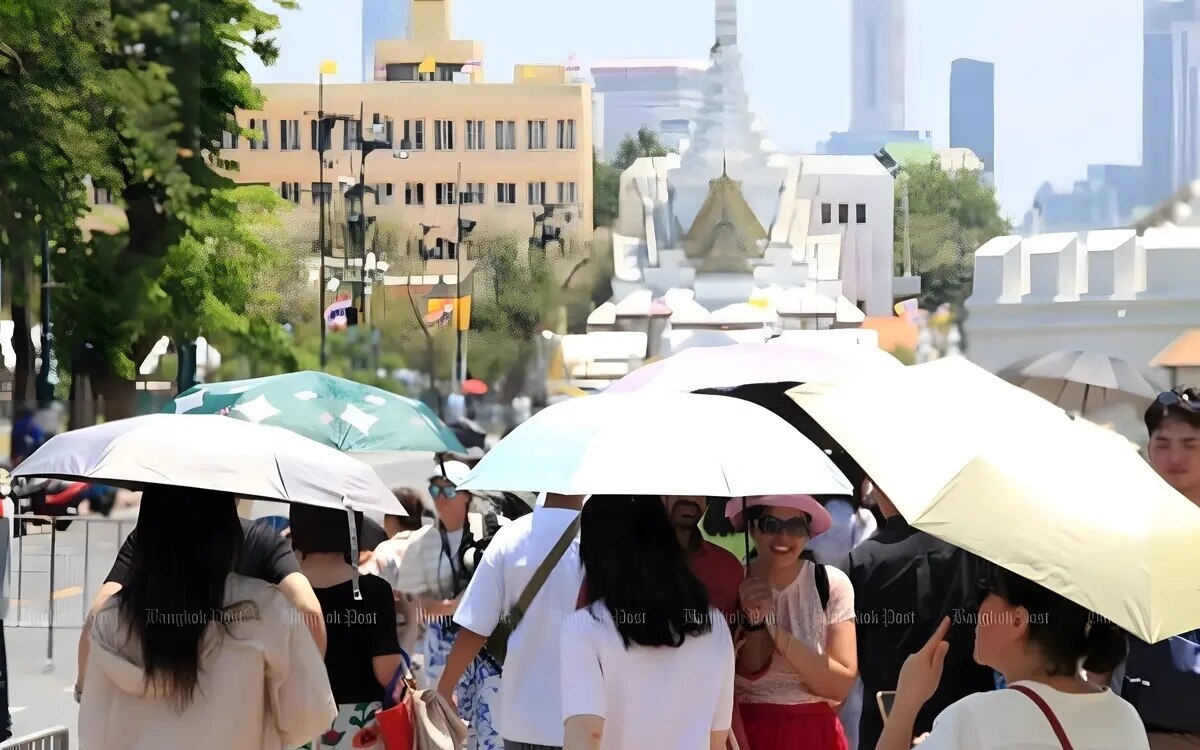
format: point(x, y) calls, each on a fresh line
point(905, 581)
point(265, 555)
point(364, 650)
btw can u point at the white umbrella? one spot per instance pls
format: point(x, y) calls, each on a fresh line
point(215, 453)
point(657, 444)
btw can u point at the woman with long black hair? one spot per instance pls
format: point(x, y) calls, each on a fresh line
point(190, 654)
point(647, 662)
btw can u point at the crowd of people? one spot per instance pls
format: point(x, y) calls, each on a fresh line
point(616, 624)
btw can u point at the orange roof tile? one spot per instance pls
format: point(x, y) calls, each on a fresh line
point(1182, 352)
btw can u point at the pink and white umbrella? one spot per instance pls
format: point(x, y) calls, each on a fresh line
point(744, 364)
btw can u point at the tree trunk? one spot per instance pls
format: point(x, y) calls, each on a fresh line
point(119, 396)
point(22, 342)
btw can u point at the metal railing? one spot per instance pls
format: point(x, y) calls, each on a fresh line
point(57, 738)
point(53, 570)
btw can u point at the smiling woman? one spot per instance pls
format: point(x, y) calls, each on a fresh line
point(800, 659)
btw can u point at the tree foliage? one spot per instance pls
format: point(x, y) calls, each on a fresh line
point(135, 94)
point(634, 146)
point(606, 192)
point(952, 213)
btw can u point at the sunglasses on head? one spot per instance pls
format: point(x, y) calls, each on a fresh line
point(446, 491)
point(1171, 399)
point(769, 524)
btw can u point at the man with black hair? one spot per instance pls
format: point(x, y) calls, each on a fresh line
point(905, 581)
point(1163, 680)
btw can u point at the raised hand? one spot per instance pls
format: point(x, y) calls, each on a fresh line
point(922, 671)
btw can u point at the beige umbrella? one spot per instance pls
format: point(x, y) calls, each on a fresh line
point(1001, 473)
point(1082, 382)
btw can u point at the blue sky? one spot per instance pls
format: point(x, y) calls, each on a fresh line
point(1068, 75)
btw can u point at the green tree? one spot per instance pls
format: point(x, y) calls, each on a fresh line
point(516, 294)
point(606, 192)
point(952, 213)
point(634, 146)
point(51, 136)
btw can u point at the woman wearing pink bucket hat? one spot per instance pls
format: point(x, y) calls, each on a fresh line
point(800, 659)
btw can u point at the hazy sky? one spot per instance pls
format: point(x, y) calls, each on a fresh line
point(1068, 72)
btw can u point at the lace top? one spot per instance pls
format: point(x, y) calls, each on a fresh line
point(798, 609)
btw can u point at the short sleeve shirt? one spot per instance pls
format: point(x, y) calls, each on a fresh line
point(266, 555)
point(798, 609)
point(358, 631)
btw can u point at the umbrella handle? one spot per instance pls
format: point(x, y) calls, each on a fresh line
point(353, 552)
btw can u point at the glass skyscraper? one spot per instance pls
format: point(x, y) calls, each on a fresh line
point(381, 19)
point(973, 109)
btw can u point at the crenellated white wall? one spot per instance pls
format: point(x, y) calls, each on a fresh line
point(1111, 292)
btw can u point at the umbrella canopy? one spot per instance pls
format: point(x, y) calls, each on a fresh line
point(1082, 381)
point(1005, 475)
point(340, 413)
point(657, 444)
point(213, 453)
point(729, 366)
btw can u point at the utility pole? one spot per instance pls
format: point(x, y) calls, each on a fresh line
point(459, 371)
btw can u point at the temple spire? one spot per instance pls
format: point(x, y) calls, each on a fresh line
point(727, 25)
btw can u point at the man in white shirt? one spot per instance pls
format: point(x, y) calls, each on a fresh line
point(530, 688)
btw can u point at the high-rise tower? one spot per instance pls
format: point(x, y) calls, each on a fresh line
point(381, 19)
point(877, 49)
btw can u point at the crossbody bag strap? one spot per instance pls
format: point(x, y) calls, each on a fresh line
point(543, 572)
point(1040, 702)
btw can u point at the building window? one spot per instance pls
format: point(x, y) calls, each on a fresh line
point(263, 127)
point(860, 213)
point(385, 194)
point(414, 194)
point(386, 133)
point(444, 193)
point(101, 196)
point(473, 193)
point(289, 135)
point(229, 140)
point(567, 193)
point(537, 193)
point(826, 213)
point(843, 213)
point(443, 135)
point(536, 132)
point(566, 134)
point(414, 133)
point(475, 135)
point(350, 135)
point(506, 135)
point(444, 249)
point(320, 189)
point(290, 191)
point(506, 192)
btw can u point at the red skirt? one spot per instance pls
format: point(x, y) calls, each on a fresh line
point(807, 726)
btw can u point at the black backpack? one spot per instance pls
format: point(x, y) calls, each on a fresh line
point(1165, 695)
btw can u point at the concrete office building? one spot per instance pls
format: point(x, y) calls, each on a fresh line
point(381, 19)
point(663, 95)
point(1170, 96)
point(522, 145)
point(973, 110)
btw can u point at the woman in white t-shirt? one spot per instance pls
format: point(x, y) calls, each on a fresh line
point(1039, 641)
point(646, 663)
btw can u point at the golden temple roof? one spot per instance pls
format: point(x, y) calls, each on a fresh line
point(726, 232)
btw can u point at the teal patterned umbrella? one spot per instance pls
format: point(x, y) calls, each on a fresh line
point(341, 413)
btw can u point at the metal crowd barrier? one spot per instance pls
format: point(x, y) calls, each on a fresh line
point(57, 738)
point(65, 559)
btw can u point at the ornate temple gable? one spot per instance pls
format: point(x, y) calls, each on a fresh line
point(726, 232)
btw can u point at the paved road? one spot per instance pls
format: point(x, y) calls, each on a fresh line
point(41, 671)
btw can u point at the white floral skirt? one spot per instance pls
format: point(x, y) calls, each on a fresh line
point(353, 727)
point(477, 692)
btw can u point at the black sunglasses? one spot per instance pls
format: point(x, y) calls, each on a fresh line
point(1171, 400)
point(793, 526)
